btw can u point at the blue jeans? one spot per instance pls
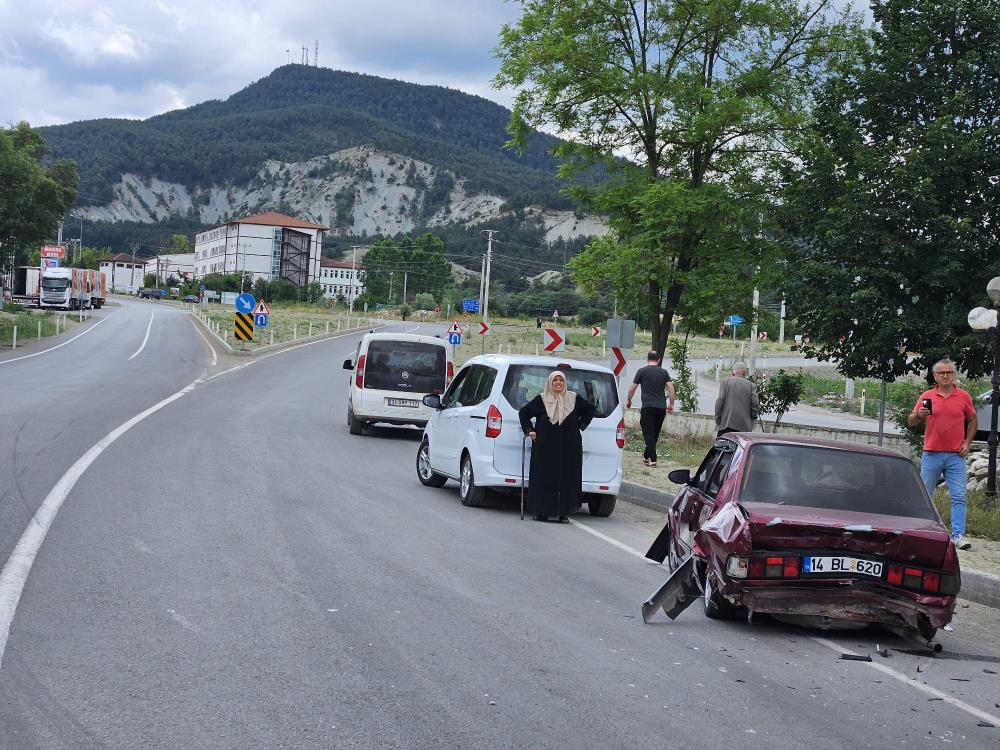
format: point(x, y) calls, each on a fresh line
point(935, 463)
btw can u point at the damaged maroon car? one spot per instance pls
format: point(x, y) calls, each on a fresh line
point(813, 532)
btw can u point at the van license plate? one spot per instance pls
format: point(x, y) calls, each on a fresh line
point(407, 402)
point(842, 565)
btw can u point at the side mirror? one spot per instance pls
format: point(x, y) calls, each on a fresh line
point(348, 365)
point(432, 400)
point(680, 476)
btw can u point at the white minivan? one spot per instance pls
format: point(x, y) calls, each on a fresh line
point(392, 372)
point(474, 435)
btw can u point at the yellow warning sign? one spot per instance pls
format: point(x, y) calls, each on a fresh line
point(243, 326)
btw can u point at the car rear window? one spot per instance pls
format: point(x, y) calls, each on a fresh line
point(835, 480)
point(405, 366)
point(524, 382)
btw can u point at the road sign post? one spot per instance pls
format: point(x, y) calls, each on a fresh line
point(620, 333)
point(245, 303)
point(618, 360)
point(243, 326)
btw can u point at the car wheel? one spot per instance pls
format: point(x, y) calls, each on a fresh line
point(601, 505)
point(717, 607)
point(472, 496)
point(354, 426)
point(427, 476)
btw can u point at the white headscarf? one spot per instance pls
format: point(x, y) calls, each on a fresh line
point(558, 407)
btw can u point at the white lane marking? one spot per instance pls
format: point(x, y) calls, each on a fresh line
point(215, 358)
point(58, 346)
point(907, 680)
point(145, 338)
point(888, 671)
point(612, 542)
point(230, 370)
point(18, 566)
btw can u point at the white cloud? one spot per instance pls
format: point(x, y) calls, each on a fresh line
point(95, 36)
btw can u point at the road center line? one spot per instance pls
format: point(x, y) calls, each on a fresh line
point(888, 671)
point(145, 338)
point(15, 572)
point(58, 346)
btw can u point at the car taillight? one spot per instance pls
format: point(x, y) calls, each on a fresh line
point(769, 566)
point(620, 433)
point(494, 422)
point(927, 581)
point(450, 375)
point(359, 372)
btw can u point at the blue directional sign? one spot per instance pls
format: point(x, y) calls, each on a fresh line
point(734, 320)
point(245, 303)
point(470, 305)
point(260, 321)
point(455, 338)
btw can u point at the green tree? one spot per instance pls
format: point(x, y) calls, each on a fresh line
point(685, 381)
point(778, 393)
point(34, 196)
point(893, 214)
point(180, 243)
point(697, 98)
point(424, 301)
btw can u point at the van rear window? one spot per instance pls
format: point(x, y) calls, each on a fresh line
point(524, 382)
point(405, 366)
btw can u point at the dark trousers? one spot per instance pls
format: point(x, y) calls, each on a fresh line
point(651, 422)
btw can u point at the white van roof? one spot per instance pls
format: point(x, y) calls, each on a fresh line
point(497, 360)
point(406, 337)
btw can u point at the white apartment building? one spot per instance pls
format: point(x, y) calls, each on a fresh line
point(178, 265)
point(122, 272)
point(270, 246)
point(338, 278)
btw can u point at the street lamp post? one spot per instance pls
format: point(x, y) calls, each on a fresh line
point(983, 319)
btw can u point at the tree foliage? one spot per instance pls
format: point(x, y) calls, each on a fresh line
point(419, 261)
point(893, 213)
point(778, 393)
point(696, 97)
point(34, 196)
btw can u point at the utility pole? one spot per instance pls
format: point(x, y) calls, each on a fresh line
point(352, 289)
point(406, 275)
point(131, 272)
point(485, 303)
point(753, 332)
point(390, 286)
point(781, 324)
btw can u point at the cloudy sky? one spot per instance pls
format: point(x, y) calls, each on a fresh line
point(67, 60)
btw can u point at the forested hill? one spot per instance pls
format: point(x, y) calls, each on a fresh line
point(300, 112)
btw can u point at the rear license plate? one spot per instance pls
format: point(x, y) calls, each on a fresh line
point(408, 402)
point(850, 565)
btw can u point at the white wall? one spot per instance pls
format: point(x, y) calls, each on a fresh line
point(251, 251)
point(120, 276)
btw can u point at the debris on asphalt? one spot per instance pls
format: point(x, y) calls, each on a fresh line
point(919, 669)
point(856, 657)
point(988, 671)
point(948, 628)
point(984, 724)
point(960, 679)
point(935, 699)
point(885, 653)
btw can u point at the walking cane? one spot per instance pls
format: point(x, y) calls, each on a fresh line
point(524, 443)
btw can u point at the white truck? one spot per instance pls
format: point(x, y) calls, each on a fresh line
point(72, 288)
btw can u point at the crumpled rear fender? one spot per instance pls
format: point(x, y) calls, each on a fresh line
point(725, 533)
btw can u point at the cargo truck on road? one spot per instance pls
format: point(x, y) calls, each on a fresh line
point(72, 288)
point(26, 288)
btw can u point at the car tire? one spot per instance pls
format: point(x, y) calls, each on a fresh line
point(472, 496)
point(427, 476)
point(354, 426)
point(601, 505)
point(717, 607)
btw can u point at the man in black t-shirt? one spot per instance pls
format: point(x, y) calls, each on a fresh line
point(654, 380)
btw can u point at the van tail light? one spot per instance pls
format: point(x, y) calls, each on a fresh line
point(359, 372)
point(494, 422)
point(620, 433)
point(924, 581)
point(451, 374)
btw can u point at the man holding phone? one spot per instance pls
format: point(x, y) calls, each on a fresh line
point(950, 429)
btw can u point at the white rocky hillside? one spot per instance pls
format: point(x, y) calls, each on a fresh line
point(354, 191)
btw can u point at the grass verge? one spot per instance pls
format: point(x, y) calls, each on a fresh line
point(980, 521)
point(32, 325)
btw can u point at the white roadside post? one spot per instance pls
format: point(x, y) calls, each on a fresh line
point(310, 328)
point(272, 337)
point(39, 329)
point(14, 339)
point(328, 326)
point(295, 332)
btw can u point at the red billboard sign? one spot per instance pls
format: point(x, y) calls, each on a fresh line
point(53, 251)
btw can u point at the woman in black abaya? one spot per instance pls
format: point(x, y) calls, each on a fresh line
point(555, 481)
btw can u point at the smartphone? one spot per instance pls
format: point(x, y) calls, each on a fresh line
point(928, 404)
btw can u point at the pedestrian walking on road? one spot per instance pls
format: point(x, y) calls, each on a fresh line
point(555, 484)
point(737, 405)
point(653, 379)
point(950, 427)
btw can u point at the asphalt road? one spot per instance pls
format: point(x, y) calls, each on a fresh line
point(236, 570)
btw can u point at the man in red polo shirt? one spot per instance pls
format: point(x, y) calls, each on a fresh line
point(951, 427)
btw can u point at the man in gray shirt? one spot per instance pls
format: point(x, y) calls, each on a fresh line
point(653, 379)
point(737, 405)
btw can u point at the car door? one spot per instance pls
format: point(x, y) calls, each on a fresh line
point(466, 416)
point(443, 441)
point(698, 498)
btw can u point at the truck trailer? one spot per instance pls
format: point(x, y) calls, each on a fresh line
point(26, 289)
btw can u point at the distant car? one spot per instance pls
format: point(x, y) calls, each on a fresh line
point(190, 298)
point(152, 293)
point(816, 532)
point(475, 436)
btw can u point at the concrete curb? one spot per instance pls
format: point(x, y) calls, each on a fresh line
point(977, 586)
